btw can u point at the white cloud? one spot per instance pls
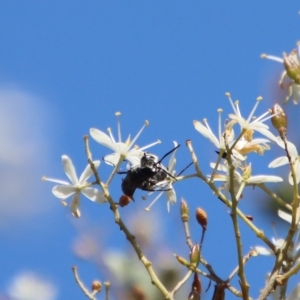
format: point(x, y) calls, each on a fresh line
point(30, 286)
point(24, 155)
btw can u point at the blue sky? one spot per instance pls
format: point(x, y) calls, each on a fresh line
point(68, 66)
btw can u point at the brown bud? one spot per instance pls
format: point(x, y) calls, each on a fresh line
point(124, 200)
point(250, 218)
point(184, 211)
point(96, 286)
point(219, 293)
point(279, 121)
point(196, 288)
point(137, 293)
point(195, 255)
point(201, 217)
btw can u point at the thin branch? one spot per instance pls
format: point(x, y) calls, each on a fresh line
point(81, 285)
point(181, 282)
point(259, 233)
point(241, 271)
point(274, 196)
point(107, 287)
point(245, 260)
point(288, 274)
point(212, 275)
point(129, 236)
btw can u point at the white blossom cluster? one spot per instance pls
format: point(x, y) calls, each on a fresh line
point(237, 137)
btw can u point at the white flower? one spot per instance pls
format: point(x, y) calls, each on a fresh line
point(251, 123)
point(291, 63)
point(166, 186)
point(125, 149)
point(283, 160)
point(219, 141)
point(77, 186)
point(259, 146)
point(246, 177)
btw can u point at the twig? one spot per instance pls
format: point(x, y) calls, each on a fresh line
point(245, 260)
point(259, 233)
point(212, 275)
point(107, 287)
point(129, 236)
point(241, 271)
point(288, 274)
point(274, 196)
point(181, 282)
point(81, 285)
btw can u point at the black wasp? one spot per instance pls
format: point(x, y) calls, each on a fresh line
point(146, 175)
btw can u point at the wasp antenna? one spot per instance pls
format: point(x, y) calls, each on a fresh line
point(168, 154)
point(185, 168)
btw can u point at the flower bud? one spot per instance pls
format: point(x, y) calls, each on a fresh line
point(292, 66)
point(201, 217)
point(219, 293)
point(124, 200)
point(279, 121)
point(96, 286)
point(184, 211)
point(182, 260)
point(195, 255)
point(196, 288)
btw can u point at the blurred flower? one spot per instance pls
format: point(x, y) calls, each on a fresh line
point(283, 160)
point(166, 186)
point(76, 186)
point(292, 72)
point(126, 149)
point(293, 251)
point(30, 286)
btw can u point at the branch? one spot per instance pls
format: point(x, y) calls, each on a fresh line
point(87, 293)
point(259, 233)
point(129, 236)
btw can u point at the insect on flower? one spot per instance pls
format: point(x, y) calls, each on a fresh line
point(146, 175)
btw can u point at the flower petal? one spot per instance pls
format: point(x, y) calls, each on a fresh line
point(112, 159)
point(264, 178)
point(63, 191)
point(172, 161)
point(69, 169)
point(278, 162)
point(263, 250)
point(285, 216)
point(171, 194)
point(206, 133)
point(88, 172)
point(94, 195)
point(102, 138)
point(74, 206)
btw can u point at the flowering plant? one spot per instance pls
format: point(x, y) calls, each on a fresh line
point(238, 140)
